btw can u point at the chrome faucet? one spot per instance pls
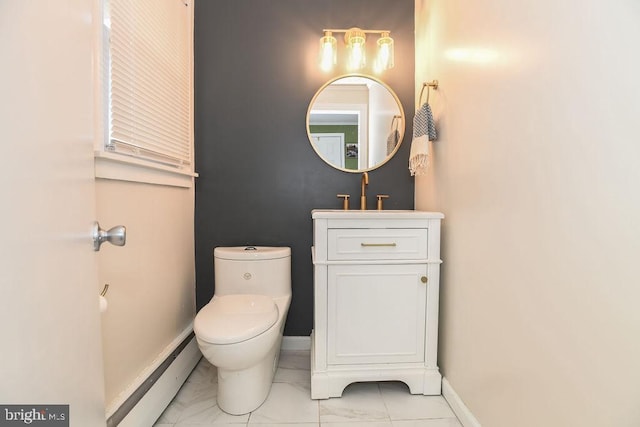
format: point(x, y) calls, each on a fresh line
point(363, 195)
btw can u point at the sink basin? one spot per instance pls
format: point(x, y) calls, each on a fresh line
point(372, 214)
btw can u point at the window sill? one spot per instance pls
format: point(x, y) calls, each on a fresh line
point(124, 168)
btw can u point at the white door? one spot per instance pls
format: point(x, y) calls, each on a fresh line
point(49, 314)
point(331, 147)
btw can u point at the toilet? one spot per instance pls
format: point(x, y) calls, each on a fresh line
point(240, 330)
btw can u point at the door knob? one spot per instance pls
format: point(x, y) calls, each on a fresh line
point(116, 235)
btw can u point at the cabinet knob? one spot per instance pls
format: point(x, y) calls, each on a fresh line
point(423, 279)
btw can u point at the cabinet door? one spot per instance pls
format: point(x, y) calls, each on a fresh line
point(376, 313)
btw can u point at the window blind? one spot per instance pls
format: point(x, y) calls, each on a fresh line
point(150, 80)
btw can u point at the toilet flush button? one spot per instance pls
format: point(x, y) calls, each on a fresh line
point(247, 276)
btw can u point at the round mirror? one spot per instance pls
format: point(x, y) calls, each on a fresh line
point(355, 123)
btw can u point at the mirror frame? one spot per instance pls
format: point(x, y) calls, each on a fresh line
point(401, 130)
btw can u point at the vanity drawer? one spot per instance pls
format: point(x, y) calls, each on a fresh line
point(377, 243)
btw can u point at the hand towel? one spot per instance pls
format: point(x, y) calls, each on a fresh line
point(423, 123)
point(392, 141)
point(424, 130)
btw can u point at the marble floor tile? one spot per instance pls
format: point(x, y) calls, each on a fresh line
point(214, 424)
point(285, 424)
point(434, 422)
point(203, 409)
point(359, 402)
point(184, 398)
point(359, 424)
point(294, 367)
point(287, 403)
point(204, 376)
point(295, 359)
point(402, 405)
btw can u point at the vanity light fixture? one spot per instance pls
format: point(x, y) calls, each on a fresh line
point(328, 51)
point(384, 61)
point(355, 40)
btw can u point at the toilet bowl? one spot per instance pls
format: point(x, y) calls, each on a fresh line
point(240, 330)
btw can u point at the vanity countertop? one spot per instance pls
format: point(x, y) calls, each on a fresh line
point(373, 214)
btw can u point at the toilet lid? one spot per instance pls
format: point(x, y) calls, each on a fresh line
point(231, 319)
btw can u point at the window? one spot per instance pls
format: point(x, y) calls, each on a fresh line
point(149, 51)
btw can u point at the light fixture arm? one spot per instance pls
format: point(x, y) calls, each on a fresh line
point(356, 28)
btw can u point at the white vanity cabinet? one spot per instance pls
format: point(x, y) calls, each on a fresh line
point(376, 287)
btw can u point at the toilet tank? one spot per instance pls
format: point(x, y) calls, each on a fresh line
point(262, 270)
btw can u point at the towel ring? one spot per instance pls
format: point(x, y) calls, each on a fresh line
point(429, 85)
point(394, 122)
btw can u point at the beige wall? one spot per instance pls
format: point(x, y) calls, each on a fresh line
point(152, 281)
point(536, 171)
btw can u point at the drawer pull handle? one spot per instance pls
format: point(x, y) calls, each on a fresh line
point(423, 279)
point(378, 244)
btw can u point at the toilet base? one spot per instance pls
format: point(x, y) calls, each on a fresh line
point(242, 391)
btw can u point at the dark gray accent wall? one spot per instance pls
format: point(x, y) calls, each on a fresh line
point(256, 71)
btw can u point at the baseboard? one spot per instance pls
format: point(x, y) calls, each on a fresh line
point(157, 398)
point(147, 397)
point(457, 406)
point(296, 343)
